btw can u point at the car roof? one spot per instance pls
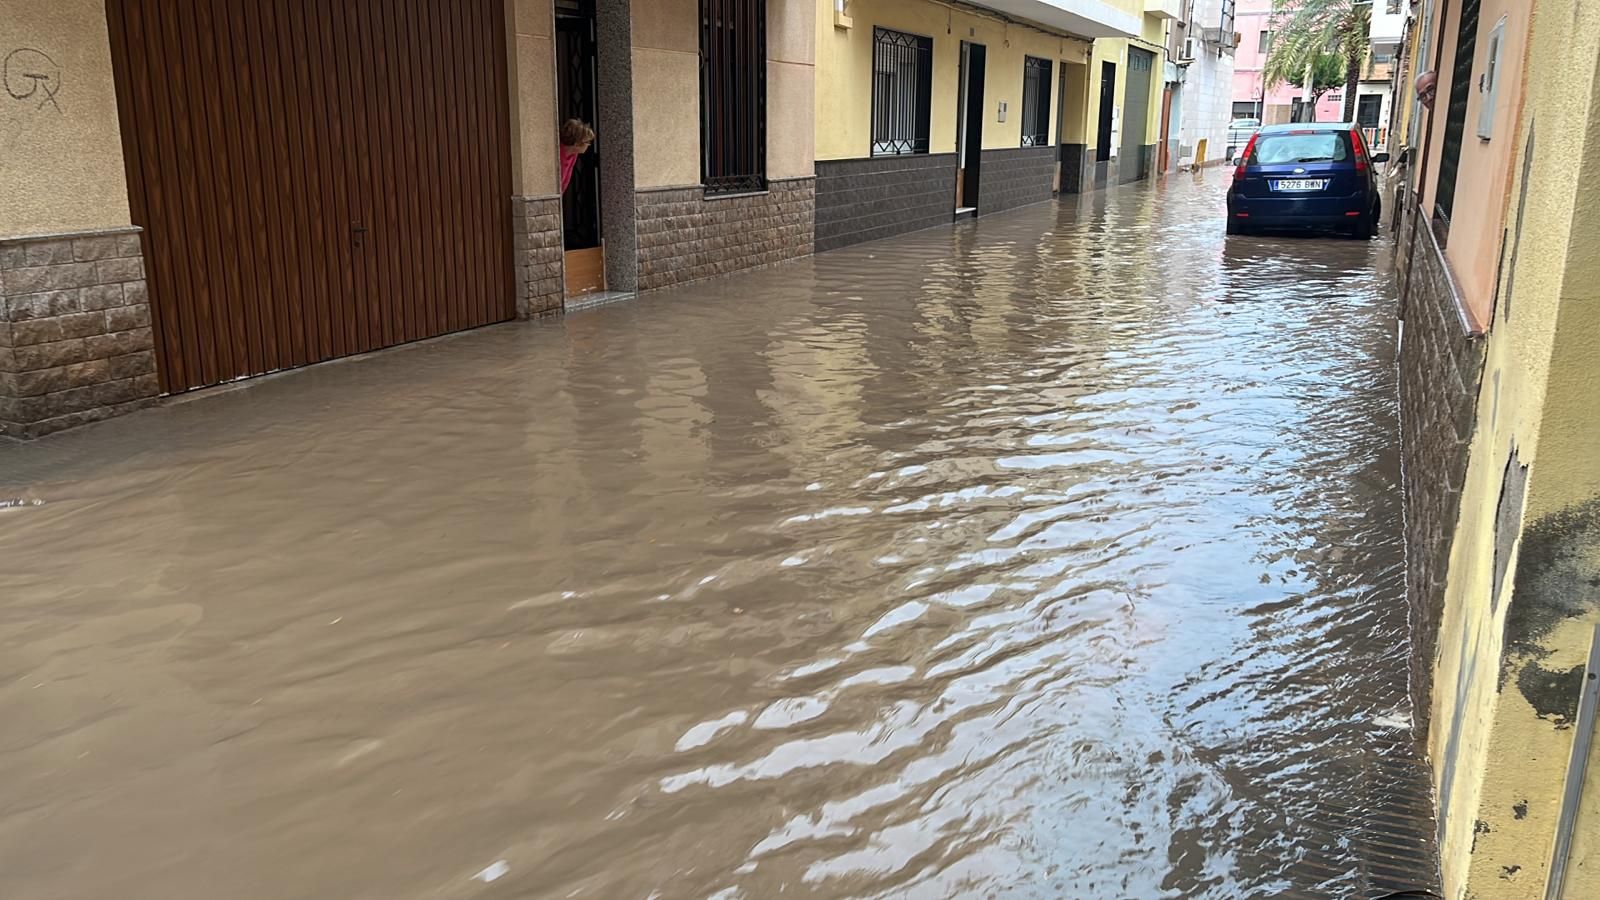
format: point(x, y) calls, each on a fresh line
point(1306, 126)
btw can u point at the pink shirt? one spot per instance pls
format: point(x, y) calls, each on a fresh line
point(569, 161)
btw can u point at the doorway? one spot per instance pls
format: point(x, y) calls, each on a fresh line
point(969, 128)
point(1108, 99)
point(1061, 119)
point(1163, 142)
point(1136, 113)
point(1076, 167)
point(577, 92)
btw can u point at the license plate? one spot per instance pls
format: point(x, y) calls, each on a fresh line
point(1300, 184)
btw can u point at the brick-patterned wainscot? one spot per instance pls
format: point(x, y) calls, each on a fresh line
point(536, 222)
point(882, 196)
point(1441, 364)
point(75, 339)
point(683, 236)
point(1016, 177)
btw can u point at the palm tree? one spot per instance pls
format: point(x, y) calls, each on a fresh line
point(1327, 72)
point(1306, 29)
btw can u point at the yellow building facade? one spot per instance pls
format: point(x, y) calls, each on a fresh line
point(929, 111)
point(1500, 369)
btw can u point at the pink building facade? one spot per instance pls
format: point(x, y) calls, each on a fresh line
point(1253, 99)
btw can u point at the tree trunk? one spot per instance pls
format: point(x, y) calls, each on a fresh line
point(1352, 80)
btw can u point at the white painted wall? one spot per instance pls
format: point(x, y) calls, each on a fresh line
point(1207, 90)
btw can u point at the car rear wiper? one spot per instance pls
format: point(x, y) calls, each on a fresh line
point(1315, 159)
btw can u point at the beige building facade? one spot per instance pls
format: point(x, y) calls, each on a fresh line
point(193, 195)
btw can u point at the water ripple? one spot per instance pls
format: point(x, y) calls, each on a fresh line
point(1055, 555)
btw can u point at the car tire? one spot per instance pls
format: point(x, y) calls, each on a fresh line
point(1236, 227)
point(1364, 228)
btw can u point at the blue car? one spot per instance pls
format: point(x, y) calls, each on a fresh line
point(1307, 175)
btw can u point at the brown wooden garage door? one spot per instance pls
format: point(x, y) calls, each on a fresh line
point(315, 178)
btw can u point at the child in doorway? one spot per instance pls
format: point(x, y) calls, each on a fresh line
point(575, 140)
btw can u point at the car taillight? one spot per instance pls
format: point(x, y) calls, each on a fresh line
point(1361, 157)
point(1244, 158)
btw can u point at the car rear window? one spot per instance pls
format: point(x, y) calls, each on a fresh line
point(1307, 146)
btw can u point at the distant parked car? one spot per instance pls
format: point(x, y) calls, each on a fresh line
point(1240, 131)
point(1309, 175)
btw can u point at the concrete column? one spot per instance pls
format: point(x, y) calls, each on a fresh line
point(619, 231)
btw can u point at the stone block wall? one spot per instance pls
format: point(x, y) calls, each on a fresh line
point(1015, 177)
point(1441, 363)
point(1101, 172)
point(1137, 165)
point(683, 236)
point(877, 197)
point(76, 344)
point(536, 223)
point(1076, 169)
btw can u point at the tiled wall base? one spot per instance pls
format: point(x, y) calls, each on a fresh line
point(684, 236)
point(1440, 367)
point(877, 197)
point(1017, 177)
point(75, 338)
point(536, 223)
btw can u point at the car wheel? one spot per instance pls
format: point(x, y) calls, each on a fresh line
point(1236, 227)
point(1363, 229)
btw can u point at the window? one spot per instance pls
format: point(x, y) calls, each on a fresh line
point(1368, 108)
point(1489, 81)
point(733, 96)
point(1035, 102)
point(1227, 18)
point(1266, 42)
point(1244, 109)
point(1306, 146)
point(902, 92)
point(1455, 121)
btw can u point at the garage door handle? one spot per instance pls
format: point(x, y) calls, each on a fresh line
point(358, 234)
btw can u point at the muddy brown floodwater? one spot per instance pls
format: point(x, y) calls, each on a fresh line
point(1056, 555)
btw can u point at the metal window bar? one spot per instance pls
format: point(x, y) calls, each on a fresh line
point(902, 92)
point(733, 96)
point(1035, 102)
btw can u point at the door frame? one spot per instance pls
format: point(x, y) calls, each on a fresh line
point(969, 125)
point(1104, 124)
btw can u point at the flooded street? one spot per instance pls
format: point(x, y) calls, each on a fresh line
point(1054, 555)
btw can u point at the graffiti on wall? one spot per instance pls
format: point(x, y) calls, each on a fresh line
point(31, 76)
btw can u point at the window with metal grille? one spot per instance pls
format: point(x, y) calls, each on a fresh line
point(902, 92)
point(1035, 102)
point(1455, 122)
point(733, 96)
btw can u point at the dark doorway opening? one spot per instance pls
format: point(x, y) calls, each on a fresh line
point(1108, 99)
point(969, 127)
point(577, 97)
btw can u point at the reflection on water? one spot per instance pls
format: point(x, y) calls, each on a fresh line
point(1052, 556)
